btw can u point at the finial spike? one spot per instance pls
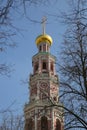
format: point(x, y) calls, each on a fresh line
point(44, 19)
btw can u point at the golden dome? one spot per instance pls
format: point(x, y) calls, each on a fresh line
point(44, 38)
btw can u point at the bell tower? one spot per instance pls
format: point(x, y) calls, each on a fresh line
point(42, 111)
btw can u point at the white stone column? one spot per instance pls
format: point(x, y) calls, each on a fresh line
point(35, 119)
point(52, 119)
point(49, 64)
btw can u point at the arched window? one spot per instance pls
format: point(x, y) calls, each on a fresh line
point(55, 99)
point(44, 123)
point(58, 124)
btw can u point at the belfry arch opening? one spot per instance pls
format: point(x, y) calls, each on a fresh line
point(29, 124)
point(51, 67)
point(58, 125)
point(44, 123)
point(44, 65)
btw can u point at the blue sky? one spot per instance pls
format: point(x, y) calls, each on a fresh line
point(11, 88)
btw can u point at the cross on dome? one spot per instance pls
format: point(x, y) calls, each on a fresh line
point(44, 37)
point(44, 19)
